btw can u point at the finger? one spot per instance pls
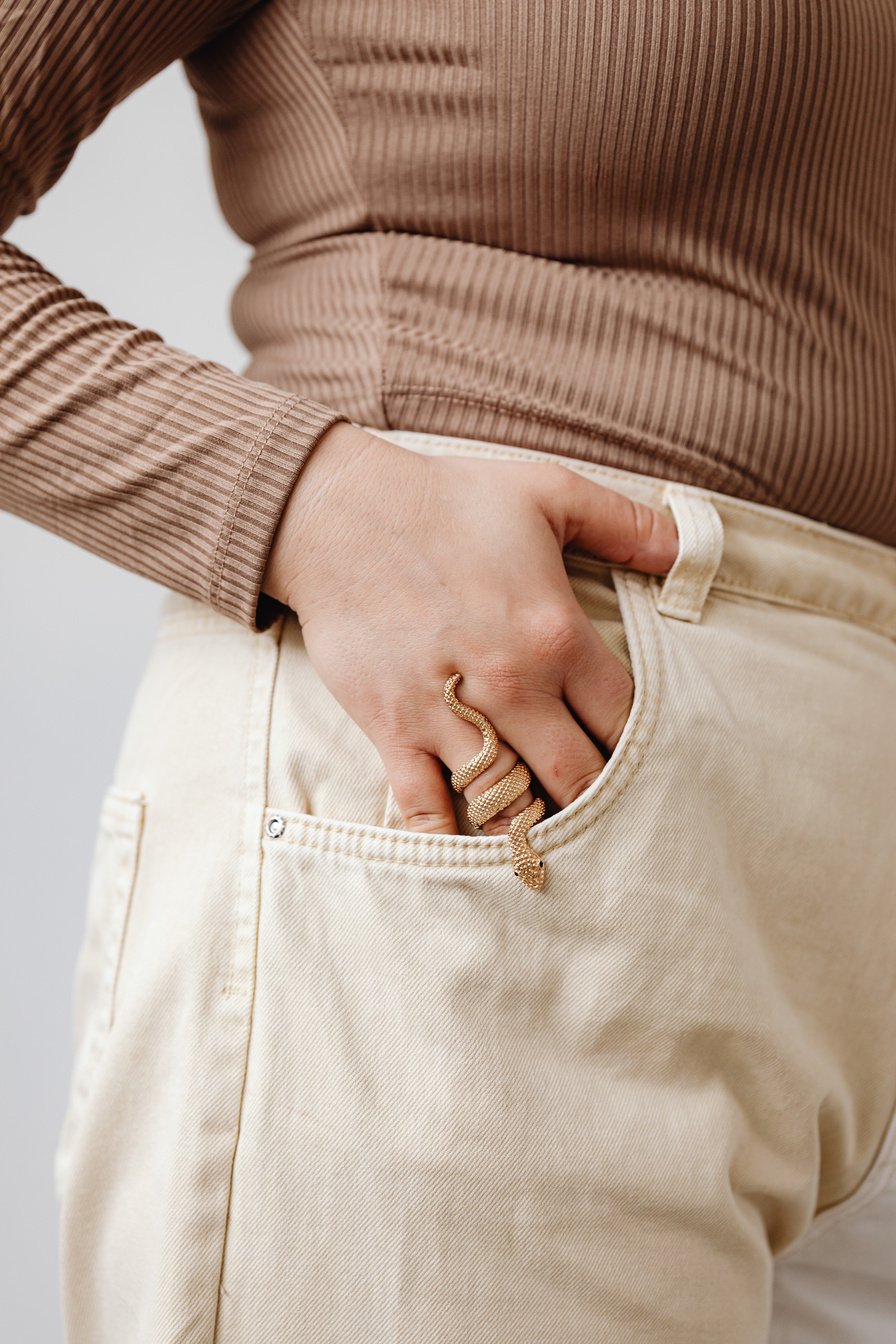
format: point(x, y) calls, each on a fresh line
point(460, 745)
point(599, 690)
point(423, 795)
point(536, 723)
point(613, 527)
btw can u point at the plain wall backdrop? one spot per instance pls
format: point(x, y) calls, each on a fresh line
point(134, 224)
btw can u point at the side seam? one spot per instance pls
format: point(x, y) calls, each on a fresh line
point(238, 992)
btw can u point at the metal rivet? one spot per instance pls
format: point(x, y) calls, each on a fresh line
point(275, 827)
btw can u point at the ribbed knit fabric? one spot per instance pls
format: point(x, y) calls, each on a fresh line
point(660, 234)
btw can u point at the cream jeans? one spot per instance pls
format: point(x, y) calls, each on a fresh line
point(337, 1082)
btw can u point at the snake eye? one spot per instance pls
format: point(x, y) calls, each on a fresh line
point(541, 863)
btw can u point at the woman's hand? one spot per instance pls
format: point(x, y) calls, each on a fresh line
point(405, 567)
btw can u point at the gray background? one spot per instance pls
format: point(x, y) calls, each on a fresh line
point(134, 224)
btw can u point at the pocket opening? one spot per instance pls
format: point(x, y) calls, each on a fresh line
point(384, 844)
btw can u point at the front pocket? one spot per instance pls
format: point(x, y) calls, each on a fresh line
point(424, 1080)
point(111, 884)
point(321, 760)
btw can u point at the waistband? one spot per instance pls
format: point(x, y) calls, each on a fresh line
point(766, 553)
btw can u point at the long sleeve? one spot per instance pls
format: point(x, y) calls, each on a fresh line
point(164, 463)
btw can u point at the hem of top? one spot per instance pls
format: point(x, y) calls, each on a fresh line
point(676, 454)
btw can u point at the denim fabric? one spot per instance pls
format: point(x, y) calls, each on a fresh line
point(341, 1082)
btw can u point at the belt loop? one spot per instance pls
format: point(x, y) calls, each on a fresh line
point(700, 540)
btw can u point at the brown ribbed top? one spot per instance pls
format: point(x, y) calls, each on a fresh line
point(659, 234)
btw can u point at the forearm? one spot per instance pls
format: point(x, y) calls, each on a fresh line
point(166, 464)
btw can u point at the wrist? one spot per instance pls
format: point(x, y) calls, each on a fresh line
point(319, 504)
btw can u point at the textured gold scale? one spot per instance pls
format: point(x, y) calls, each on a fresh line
point(527, 865)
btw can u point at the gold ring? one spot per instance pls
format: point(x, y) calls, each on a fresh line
point(527, 865)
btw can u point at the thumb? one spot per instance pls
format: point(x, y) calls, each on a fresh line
point(615, 528)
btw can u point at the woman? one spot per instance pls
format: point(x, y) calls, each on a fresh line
point(568, 420)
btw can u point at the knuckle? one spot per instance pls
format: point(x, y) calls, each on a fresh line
point(645, 523)
point(554, 636)
point(420, 812)
point(619, 698)
point(642, 525)
point(559, 477)
point(393, 723)
point(547, 477)
point(423, 819)
point(580, 783)
point(559, 491)
point(506, 676)
point(550, 489)
point(386, 722)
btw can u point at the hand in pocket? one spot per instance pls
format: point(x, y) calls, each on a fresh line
point(404, 568)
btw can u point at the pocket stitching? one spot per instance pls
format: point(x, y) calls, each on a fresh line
point(642, 637)
point(121, 818)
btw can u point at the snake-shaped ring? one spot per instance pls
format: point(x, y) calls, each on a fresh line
point(527, 865)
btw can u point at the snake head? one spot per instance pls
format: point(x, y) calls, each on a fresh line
point(527, 865)
point(530, 870)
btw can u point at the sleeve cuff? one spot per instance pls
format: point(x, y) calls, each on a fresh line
point(256, 502)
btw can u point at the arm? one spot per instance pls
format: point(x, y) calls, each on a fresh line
point(164, 463)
